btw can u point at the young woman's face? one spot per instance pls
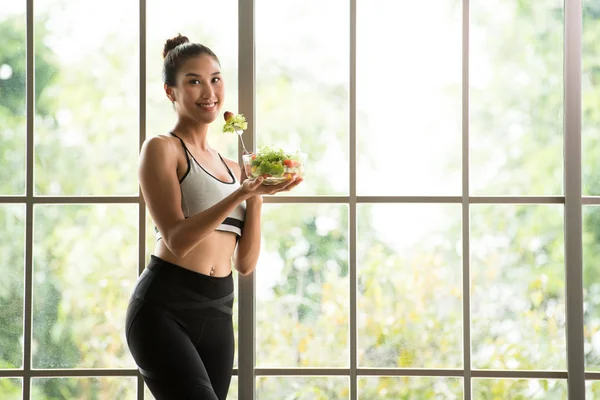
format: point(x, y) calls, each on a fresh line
point(200, 92)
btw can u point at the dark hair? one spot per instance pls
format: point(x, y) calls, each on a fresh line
point(178, 50)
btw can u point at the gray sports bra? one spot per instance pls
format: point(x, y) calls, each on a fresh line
point(201, 190)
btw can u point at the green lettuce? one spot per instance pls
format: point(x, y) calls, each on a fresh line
point(238, 121)
point(269, 161)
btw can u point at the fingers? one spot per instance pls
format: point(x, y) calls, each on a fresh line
point(281, 186)
point(256, 183)
point(287, 186)
point(256, 186)
point(252, 185)
point(293, 185)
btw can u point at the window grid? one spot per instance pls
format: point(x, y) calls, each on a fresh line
point(352, 220)
point(246, 346)
point(142, 138)
point(466, 269)
point(315, 199)
point(247, 372)
point(573, 194)
point(28, 298)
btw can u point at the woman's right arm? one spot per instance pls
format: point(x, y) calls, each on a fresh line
point(159, 183)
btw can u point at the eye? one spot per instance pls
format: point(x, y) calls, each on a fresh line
point(215, 80)
point(195, 81)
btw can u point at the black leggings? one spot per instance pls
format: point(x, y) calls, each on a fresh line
point(179, 330)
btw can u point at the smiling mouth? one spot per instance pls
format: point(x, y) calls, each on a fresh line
point(206, 105)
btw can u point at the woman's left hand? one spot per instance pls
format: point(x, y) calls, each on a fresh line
point(255, 198)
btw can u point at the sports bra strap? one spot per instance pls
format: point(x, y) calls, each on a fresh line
point(187, 152)
point(228, 170)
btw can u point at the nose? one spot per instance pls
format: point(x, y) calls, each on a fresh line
point(207, 92)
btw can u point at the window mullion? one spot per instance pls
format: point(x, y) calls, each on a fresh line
point(246, 284)
point(29, 189)
point(142, 138)
point(466, 267)
point(573, 198)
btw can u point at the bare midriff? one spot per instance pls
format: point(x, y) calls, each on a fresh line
point(212, 256)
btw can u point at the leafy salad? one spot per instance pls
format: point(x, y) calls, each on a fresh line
point(270, 162)
point(233, 122)
point(275, 165)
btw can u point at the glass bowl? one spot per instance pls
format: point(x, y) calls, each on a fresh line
point(274, 166)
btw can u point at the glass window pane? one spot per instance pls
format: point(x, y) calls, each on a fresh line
point(84, 388)
point(592, 389)
point(409, 97)
point(518, 287)
point(150, 237)
point(591, 286)
point(215, 26)
point(521, 389)
point(12, 251)
point(309, 388)
point(13, 75)
point(590, 86)
point(394, 388)
point(302, 86)
point(232, 395)
point(409, 286)
point(11, 388)
point(302, 288)
point(516, 97)
point(85, 268)
point(87, 143)
point(233, 389)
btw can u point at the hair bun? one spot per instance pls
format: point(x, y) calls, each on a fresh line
point(174, 42)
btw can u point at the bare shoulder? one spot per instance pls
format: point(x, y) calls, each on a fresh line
point(159, 182)
point(158, 150)
point(158, 144)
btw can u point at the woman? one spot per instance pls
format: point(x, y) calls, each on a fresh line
point(207, 214)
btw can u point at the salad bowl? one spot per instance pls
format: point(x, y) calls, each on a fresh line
point(274, 165)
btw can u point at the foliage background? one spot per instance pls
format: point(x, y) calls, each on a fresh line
point(409, 255)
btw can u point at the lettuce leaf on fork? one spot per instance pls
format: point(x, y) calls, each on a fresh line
point(238, 121)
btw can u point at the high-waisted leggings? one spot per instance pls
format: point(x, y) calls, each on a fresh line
point(179, 331)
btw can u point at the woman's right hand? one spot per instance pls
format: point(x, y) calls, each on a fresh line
point(255, 187)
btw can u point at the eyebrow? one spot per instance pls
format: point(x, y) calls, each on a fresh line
point(193, 74)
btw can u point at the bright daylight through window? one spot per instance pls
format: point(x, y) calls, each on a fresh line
point(443, 245)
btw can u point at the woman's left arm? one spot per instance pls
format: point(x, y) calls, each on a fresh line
point(248, 247)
